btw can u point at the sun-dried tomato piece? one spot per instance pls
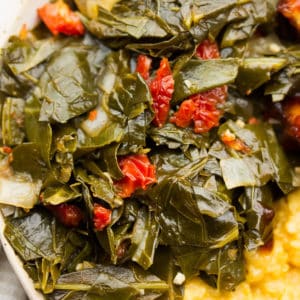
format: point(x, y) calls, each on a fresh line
point(162, 88)
point(7, 149)
point(202, 110)
point(92, 115)
point(291, 10)
point(143, 66)
point(68, 214)
point(291, 115)
point(184, 116)
point(59, 18)
point(102, 217)
point(138, 173)
point(231, 141)
point(253, 121)
point(207, 50)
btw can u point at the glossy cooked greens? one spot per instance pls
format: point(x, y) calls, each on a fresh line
point(210, 201)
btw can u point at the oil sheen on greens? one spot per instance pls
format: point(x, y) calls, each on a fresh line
point(210, 202)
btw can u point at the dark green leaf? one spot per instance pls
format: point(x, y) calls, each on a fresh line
point(23, 55)
point(202, 75)
point(110, 282)
point(254, 72)
point(175, 137)
point(144, 240)
point(68, 87)
point(39, 237)
point(36, 131)
point(101, 186)
point(257, 209)
point(60, 194)
point(13, 121)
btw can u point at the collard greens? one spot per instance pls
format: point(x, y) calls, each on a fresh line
point(70, 107)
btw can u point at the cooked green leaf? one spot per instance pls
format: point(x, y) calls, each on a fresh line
point(68, 88)
point(13, 121)
point(202, 75)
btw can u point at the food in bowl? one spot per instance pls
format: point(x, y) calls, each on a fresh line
point(145, 144)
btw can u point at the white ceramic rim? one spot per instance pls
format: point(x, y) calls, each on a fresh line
point(14, 14)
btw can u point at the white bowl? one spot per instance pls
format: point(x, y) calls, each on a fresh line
point(15, 13)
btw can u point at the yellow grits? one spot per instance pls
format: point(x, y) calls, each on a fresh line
point(273, 274)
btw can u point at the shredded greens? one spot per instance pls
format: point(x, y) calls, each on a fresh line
point(209, 202)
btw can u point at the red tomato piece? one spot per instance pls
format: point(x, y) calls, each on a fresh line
point(143, 66)
point(92, 115)
point(138, 173)
point(59, 18)
point(102, 217)
point(68, 214)
point(202, 110)
point(162, 88)
point(184, 116)
point(291, 115)
point(7, 149)
point(207, 50)
point(291, 10)
point(231, 141)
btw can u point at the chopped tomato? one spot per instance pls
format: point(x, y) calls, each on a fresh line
point(184, 116)
point(102, 217)
point(207, 50)
point(291, 115)
point(202, 109)
point(59, 18)
point(138, 173)
point(92, 115)
point(230, 140)
point(291, 10)
point(143, 66)
point(253, 121)
point(7, 149)
point(68, 214)
point(162, 88)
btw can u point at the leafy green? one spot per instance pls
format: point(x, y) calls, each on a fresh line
point(41, 238)
point(162, 28)
point(68, 88)
point(22, 63)
point(104, 130)
point(23, 55)
point(144, 239)
point(131, 105)
point(259, 168)
point(100, 184)
point(186, 211)
point(222, 268)
point(13, 121)
point(60, 194)
point(165, 266)
point(201, 75)
point(257, 209)
point(36, 131)
point(71, 107)
point(254, 72)
point(108, 283)
point(175, 137)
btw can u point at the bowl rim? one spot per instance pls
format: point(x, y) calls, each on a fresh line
point(17, 265)
point(17, 13)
